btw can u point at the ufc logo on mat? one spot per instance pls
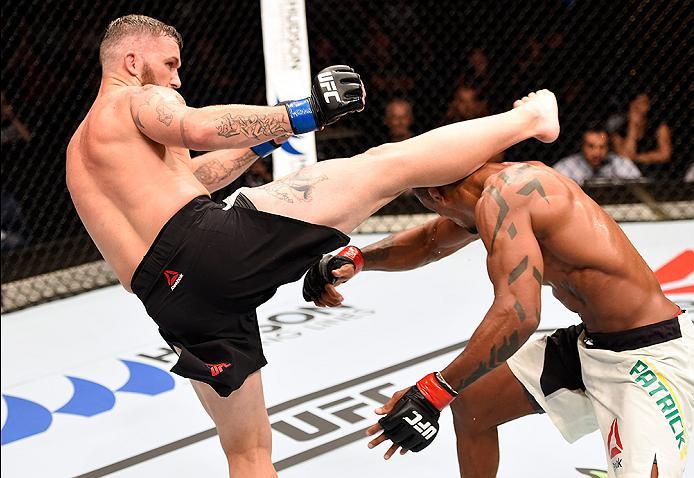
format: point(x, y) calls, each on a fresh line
point(327, 82)
point(427, 430)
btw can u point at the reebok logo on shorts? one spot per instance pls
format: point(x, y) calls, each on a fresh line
point(614, 443)
point(217, 368)
point(173, 278)
point(660, 390)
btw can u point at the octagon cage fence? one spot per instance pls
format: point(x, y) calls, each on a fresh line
point(614, 66)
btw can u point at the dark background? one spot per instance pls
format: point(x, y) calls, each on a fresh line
point(593, 54)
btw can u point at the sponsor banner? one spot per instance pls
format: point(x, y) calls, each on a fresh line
point(287, 74)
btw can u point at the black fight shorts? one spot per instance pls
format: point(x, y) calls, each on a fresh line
point(208, 270)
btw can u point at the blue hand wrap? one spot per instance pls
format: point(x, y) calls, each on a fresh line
point(265, 149)
point(301, 116)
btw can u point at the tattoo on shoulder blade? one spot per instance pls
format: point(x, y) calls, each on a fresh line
point(533, 185)
point(297, 187)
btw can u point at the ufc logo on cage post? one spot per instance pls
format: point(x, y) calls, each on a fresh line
point(327, 82)
point(427, 430)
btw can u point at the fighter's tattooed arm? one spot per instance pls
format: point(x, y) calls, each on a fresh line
point(417, 246)
point(218, 169)
point(515, 267)
point(161, 114)
point(253, 126)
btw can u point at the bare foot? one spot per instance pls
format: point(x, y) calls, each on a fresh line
point(542, 106)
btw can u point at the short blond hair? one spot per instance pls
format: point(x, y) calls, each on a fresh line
point(129, 25)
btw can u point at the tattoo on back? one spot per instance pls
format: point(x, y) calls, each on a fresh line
point(509, 346)
point(253, 126)
point(297, 187)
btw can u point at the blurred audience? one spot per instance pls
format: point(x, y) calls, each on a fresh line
point(398, 121)
point(643, 137)
point(13, 130)
point(465, 105)
point(11, 222)
point(595, 160)
point(689, 174)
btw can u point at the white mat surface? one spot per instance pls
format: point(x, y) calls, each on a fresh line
point(120, 406)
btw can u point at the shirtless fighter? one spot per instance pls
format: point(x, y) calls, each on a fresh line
point(627, 369)
point(201, 268)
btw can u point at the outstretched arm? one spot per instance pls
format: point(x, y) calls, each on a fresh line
point(162, 115)
point(401, 251)
point(417, 246)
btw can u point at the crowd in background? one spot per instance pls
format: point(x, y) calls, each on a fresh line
point(618, 70)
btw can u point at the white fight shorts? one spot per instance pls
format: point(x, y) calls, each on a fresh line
point(635, 386)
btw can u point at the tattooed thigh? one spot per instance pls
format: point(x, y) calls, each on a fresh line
point(297, 187)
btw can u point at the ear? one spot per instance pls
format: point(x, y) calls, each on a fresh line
point(132, 63)
point(435, 194)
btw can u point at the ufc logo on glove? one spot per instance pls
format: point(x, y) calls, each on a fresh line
point(327, 82)
point(427, 430)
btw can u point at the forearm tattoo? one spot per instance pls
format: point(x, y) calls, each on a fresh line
point(497, 356)
point(253, 126)
point(297, 187)
point(216, 171)
point(380, 251)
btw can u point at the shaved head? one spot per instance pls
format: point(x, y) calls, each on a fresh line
point(123, 33)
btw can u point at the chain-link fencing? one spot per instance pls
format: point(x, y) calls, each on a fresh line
point(621, 72)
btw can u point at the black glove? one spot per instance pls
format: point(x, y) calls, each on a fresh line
point(320, 274)
point(335, 92)
point(414, 421)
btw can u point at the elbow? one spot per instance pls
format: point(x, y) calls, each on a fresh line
point(194, 134)
point(526, 316)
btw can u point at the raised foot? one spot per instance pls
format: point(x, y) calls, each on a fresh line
point(542, 107)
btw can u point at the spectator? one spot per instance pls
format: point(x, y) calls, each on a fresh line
point(689, 175)
point(644, 139)
point(466, 105)
point(595, 160)
point(398, 121)
point(13, 130)
point(11, 222)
